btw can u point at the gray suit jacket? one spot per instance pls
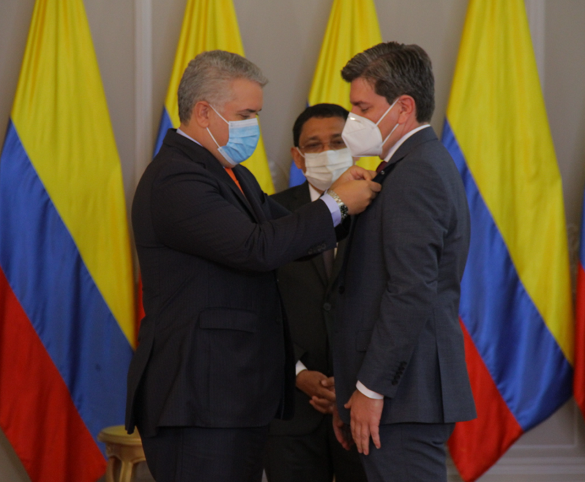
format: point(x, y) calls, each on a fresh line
point(397, 326)
point(309, 301)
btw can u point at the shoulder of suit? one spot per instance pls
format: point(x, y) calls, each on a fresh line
point(293, 196)
point(178, 148)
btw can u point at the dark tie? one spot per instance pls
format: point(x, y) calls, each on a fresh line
point(381, 166)
point(328, 258)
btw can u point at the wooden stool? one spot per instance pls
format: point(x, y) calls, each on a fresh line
point(123, 448)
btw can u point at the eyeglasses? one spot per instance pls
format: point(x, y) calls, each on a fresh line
point(314, 147)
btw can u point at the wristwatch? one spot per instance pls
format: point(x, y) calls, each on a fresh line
point(343, 209)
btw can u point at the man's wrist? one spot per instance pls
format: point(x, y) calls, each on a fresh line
point(333, 208)
point(367, 392)
point(343, 209)
point(299, 367)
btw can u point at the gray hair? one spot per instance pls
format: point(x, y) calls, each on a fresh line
point(394, 69)
point(207, 77)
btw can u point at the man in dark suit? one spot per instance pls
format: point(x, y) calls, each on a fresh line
point(399, 360)
point(304, 448)
point(214, 363)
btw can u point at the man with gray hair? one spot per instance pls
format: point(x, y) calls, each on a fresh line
point(214, 363)
point(400, 376)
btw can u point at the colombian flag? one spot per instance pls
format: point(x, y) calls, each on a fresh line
point(579, 381)
point(516, 295)
point(66, 283)
point(351, 29)
point(208, 25)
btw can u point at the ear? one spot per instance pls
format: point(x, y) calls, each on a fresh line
point(298, 159)
point(200, 114)
point(407, 108)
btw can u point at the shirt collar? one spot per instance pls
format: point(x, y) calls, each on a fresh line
point(314, 193)
point(402, 139)
point(180, 132)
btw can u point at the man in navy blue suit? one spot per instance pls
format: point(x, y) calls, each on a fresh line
point(214, 363)
point(399, 362)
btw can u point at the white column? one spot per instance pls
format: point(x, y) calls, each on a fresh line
point(536, 12)
point(143, 85)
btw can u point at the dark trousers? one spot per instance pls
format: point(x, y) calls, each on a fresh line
point(410, 452)
point(313, 457)
point(197, 454)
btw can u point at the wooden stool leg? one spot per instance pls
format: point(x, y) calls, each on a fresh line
point(126, 471)
point(110, 471)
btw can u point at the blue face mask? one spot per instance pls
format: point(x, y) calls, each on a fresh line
point(242, 142)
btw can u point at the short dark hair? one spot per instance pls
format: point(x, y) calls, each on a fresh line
point(394, 69)
point(317, 110)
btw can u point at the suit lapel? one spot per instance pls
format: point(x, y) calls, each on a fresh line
point(200, 155)
point(296, 197)
point(304, 197)
point(249, 195)
point(425, 135)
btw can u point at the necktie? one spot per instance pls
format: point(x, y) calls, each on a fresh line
point(233, 176)
point(381, 166)
point(328, 258)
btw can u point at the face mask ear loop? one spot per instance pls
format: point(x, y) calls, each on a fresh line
point(218, 146)
point(394, 128)
point(385, 113)
point(222, 118)
point(303, 156)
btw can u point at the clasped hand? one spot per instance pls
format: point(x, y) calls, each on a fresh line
point(356, 188)
point(320, 389)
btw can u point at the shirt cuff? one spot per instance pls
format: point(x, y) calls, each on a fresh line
point(367, 392)
point(299, 367)
point(333, 208)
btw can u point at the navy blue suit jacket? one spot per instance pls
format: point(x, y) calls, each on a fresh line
point(397, 326)
point(214, 348)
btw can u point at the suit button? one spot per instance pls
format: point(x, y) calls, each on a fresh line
point(394, 382)
point(341, 290)
point(327, 307)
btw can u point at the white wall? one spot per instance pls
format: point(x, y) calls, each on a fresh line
point(284, 38)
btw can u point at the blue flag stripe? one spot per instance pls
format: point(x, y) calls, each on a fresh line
point(164, 126)
point(59, 296)
point(519, 351)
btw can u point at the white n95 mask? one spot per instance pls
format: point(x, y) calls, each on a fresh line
point(363, 137)
point(324, 168)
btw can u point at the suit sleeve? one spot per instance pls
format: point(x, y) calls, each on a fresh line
point(192, 214)
point(415, 220)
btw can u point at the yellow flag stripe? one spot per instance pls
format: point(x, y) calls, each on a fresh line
point(352, 28)
point(60, 113)
point(498, 115)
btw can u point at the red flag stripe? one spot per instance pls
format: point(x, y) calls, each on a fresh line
point(476, 445)
point(579, 377)
point(35, 396)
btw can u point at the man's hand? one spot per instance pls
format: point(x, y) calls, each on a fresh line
point(341, 430)
point(354, 173)
point(365, 420)
point(356, 189)
point(319, 388)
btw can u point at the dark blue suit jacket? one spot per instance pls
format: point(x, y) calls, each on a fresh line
point(214, 348)
point(309, 300)
point(397, 326)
